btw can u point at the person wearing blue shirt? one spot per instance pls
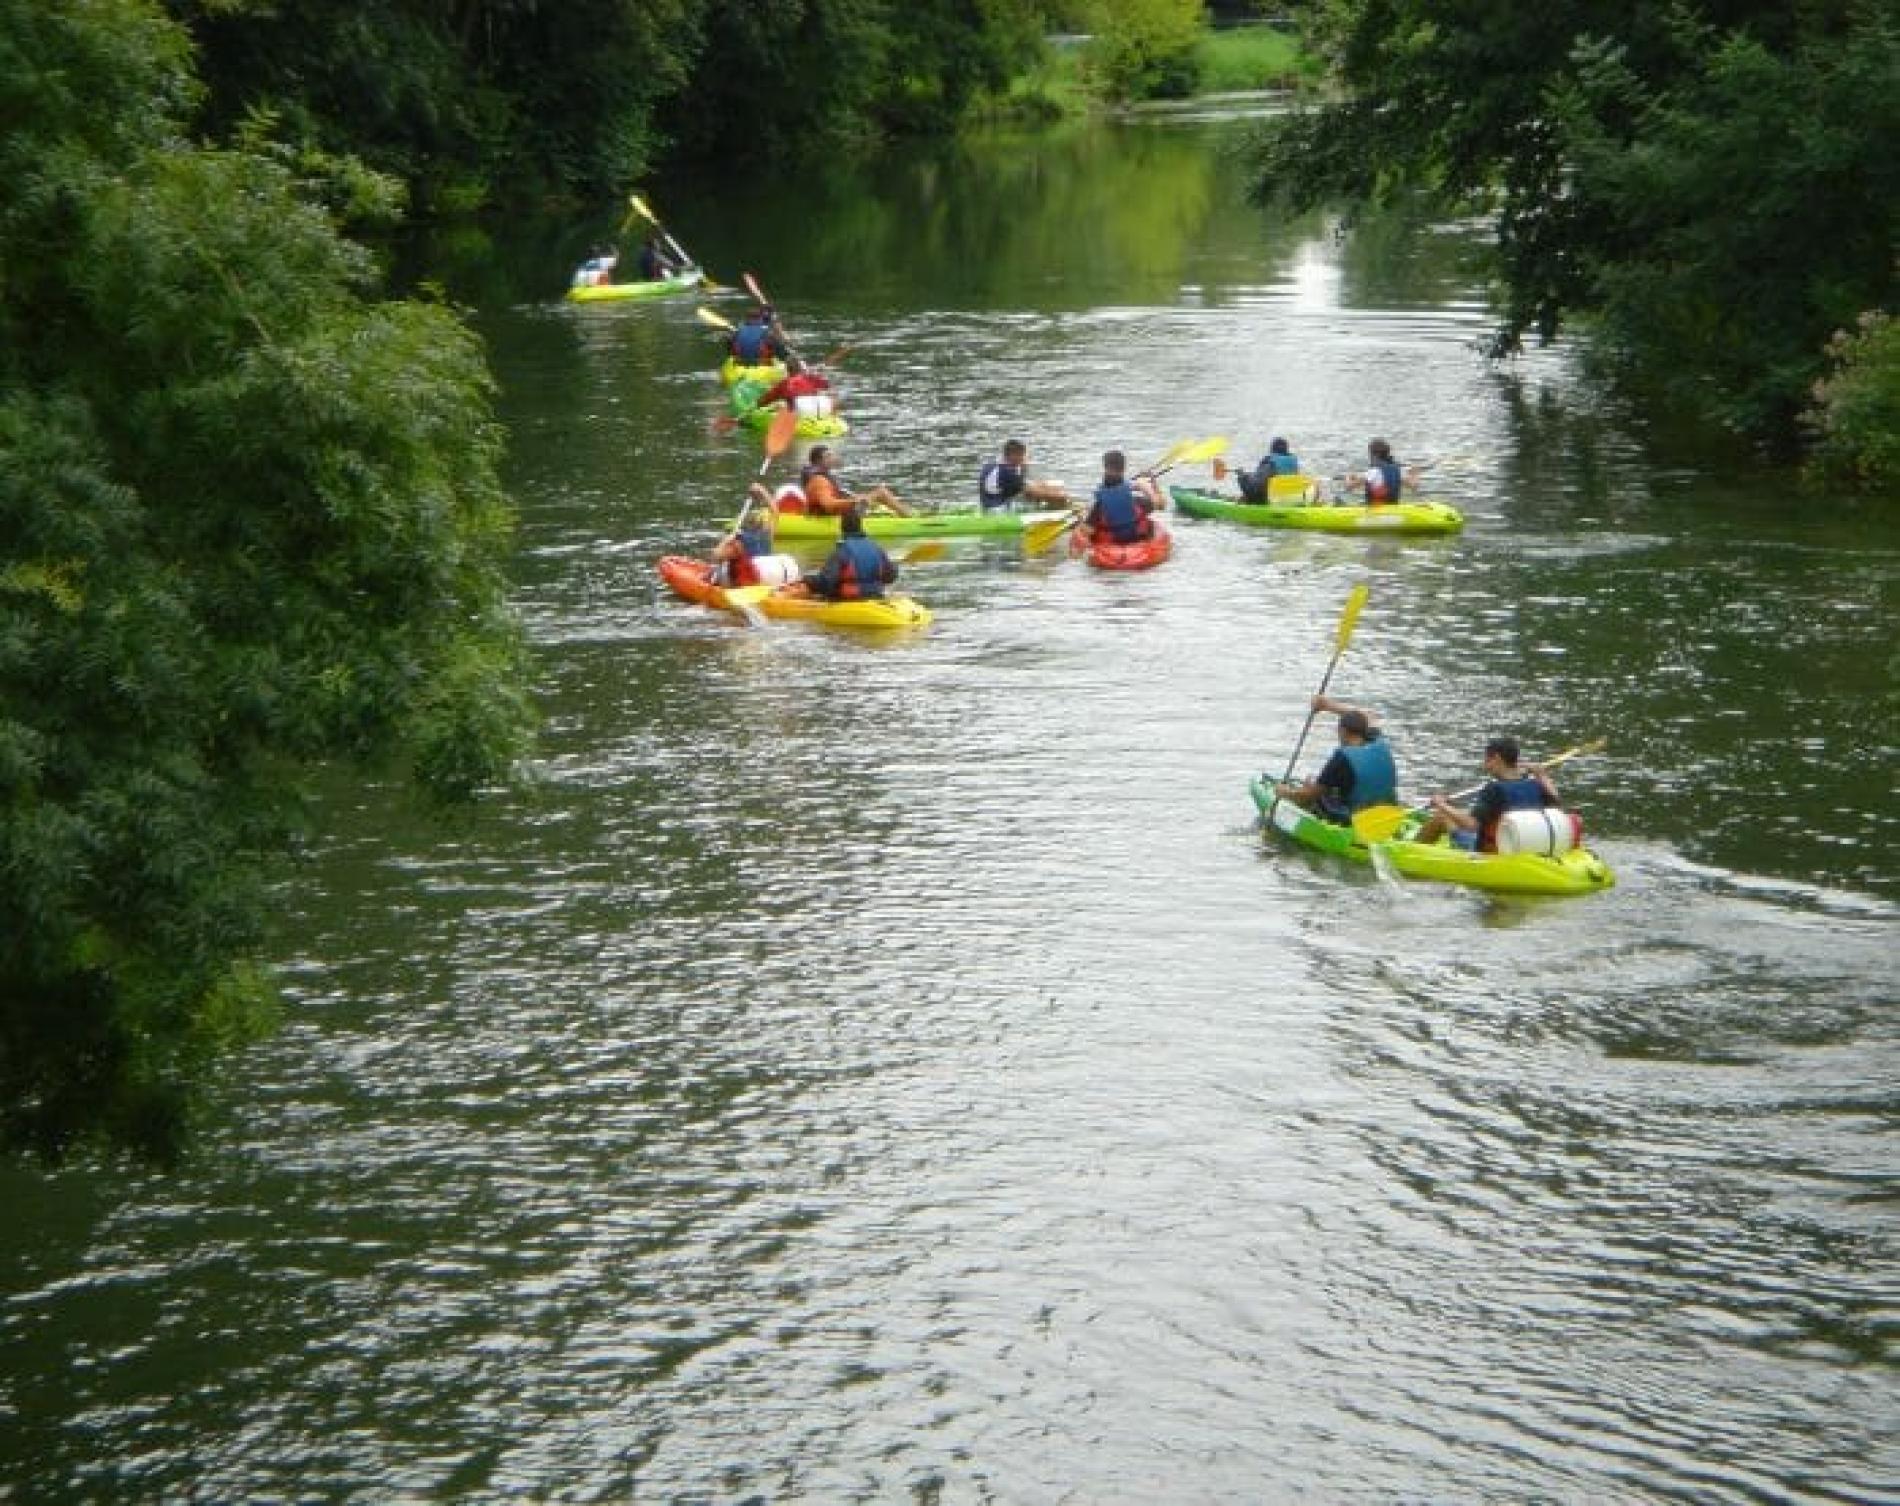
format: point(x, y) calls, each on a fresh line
point(1002, 482)
point(1361, 771)
point(1510, 788)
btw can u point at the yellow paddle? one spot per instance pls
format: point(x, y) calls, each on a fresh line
point(638, 206)
point(1377, 823)
point(1039, 536)
point(1348, 620)
point(707, 317)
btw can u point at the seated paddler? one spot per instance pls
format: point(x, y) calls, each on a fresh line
point(1361, 771)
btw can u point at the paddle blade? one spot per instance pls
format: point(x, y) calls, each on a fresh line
point(752, 287)
point(707, 317)
point(639, 206)
point(778, 438)
point(1206, 449)
point(1038, 537)
point(1378, 823)
point(1349, 619)
point(934, 549)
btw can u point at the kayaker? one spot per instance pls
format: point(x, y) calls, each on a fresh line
point(654, 263)
point(1360, 772)
point(755, 342)
point(598, 269)
point(806, 390)
point(1510, 788)
point(827, 496)
point(1384, 482)
point(1002, 482)
point(1278, 461)
point(733, 555)
point(1122, 510)
point(858, 569)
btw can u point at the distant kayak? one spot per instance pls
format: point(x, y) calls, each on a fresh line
point(691, 578)
point(664, 287)
point(795, 526)
point(1327, 517)
point(765, 374)
point(1144, 554)
point(1577, 871)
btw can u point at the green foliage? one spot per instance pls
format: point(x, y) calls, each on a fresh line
point(1145, 49)
point(1719, 194)
point(249, 522)
point(1748, 216)
point(1855, 417)
point(1251, 57)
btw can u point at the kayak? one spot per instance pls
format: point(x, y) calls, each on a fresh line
point(691, 578)
point(793, 526)
point(1578, 871)
point(1144, 554)
point(765, 374)
point(742, 397)
point(663, 287)
point(1347, 517)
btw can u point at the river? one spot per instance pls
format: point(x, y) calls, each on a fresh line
point(900, 1070)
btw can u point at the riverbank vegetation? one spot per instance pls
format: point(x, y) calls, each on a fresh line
point(1711, 190)
point(250, 526)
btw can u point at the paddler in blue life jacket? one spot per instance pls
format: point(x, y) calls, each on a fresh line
point(1278, 461)
point(756, 342)
point(733, 556)
point(1384, 481)
point(1001, 484)
point(1361, 771)
point(1123, 510)
point(1510, 788)
point(858, 568)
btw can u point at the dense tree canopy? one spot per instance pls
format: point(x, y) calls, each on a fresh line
point(496, 100)
point(1714, 184)
point(250, 522)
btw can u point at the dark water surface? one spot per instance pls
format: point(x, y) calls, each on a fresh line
point(899, 1070)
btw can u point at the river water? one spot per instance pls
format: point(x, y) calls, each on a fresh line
point(900, 1070)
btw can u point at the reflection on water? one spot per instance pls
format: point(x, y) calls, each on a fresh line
point(900, 1070)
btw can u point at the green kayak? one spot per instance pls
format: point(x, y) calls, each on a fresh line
point(1347, 517)
point(1578, 871)
point(794, 526)
point(614, 292)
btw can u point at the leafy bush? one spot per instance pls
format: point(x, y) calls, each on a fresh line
point(1855, 418)
point(1145, 49)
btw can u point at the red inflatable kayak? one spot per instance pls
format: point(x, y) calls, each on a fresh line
point(1141, 555)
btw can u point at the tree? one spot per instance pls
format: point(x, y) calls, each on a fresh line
point(1713, 186)
point(1144, 49)
point(250, 523)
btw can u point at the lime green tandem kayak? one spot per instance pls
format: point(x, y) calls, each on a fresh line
point(663, 287)
point(1578, 871)
point(796, 526)
point(1348, 517)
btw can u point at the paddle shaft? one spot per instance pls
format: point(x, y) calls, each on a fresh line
point(1355, 602)
point(666, 235)
point(1596, 745)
